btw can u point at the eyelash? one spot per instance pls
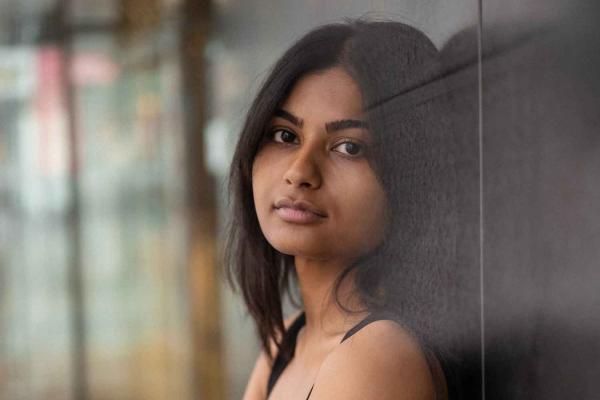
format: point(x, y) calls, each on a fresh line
point(271, 135)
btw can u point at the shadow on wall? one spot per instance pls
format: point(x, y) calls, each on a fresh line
point(541, 163)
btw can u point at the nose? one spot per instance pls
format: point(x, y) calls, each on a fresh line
point(304, 170)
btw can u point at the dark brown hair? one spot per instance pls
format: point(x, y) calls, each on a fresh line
point(410, 273)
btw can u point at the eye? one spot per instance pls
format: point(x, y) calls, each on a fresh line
point(283, 136)
point(350, 148)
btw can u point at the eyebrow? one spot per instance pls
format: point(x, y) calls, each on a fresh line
point(329, 127)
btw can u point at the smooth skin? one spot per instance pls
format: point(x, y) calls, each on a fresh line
point(306, 155)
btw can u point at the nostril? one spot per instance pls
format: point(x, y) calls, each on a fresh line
point(306, 184)
point(303, 177)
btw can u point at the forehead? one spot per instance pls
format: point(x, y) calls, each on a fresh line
point(327, 95)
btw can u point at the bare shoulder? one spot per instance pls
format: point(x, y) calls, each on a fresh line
point(380, 361)
point(256, 388)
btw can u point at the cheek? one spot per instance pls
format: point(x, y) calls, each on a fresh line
point(257, 185)
point(260, 187)
point(366, 216)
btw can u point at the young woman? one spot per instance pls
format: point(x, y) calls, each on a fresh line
point(342, 185)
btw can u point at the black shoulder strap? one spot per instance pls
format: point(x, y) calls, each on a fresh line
point(280, 363)
point(376, 316)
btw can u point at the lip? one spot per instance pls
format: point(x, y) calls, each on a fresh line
point(297, 216)
point(299, 211)
point(301, 205)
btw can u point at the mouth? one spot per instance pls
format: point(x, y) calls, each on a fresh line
point(298, 211)
point(295, 215)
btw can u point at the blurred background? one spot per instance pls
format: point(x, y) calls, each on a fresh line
point(117, 123)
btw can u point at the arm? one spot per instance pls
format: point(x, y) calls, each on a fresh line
point(257, 384)
point(381, 361)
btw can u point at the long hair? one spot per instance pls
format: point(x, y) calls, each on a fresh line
point(409, 273)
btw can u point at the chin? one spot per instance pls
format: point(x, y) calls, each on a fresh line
point(295, 248)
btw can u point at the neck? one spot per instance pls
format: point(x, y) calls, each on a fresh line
point(325, 319)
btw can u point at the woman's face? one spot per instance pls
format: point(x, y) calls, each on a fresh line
point(316, 151)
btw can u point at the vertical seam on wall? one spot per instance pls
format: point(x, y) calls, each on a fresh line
point(481, 219)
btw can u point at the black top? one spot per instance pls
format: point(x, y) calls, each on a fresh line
point(292, 333)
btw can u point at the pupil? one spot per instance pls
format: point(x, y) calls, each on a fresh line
point(351, 148)
point(286, 135)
